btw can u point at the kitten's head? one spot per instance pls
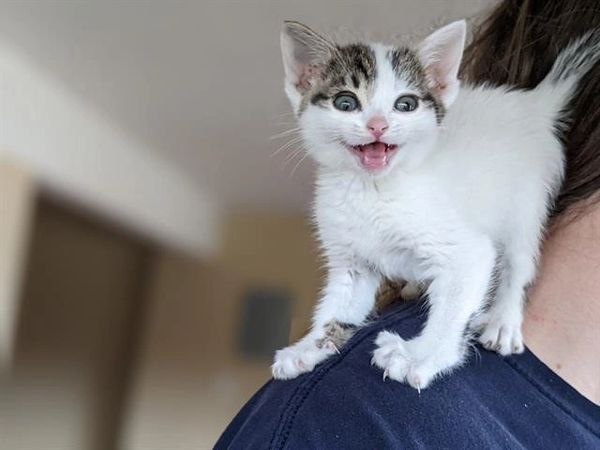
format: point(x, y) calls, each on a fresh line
point(370, 107)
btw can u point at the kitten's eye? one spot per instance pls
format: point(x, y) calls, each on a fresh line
point(406, 103)
point(345, 102)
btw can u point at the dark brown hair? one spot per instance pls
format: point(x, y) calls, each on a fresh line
point(516, 45)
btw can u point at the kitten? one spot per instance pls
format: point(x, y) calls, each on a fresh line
point(424, 180)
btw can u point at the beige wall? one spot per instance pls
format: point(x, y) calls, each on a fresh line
point(83, 381)
point(277, 250)
point(84, 156)
point(190, 380)
point(80, 304)
point(17, 194)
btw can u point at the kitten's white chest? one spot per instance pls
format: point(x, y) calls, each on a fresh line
point(362, 224)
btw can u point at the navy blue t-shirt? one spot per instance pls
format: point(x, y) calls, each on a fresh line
point(491, 403)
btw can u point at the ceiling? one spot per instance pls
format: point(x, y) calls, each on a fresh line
point(200, 83)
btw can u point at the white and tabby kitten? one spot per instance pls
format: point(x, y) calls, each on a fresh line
point(424, 180)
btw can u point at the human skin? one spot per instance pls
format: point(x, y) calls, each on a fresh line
point(562, 319)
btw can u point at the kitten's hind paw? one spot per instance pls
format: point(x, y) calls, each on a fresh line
point(500, 334)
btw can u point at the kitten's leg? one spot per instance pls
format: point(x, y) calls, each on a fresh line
point(500, 326)
point(456, 293)
point(347, 300)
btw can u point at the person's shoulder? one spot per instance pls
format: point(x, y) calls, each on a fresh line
point(339, 401)
point(345, 403)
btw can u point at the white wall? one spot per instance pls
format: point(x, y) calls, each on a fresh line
point(78, 154)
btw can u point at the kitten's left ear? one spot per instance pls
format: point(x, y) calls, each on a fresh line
point(441, 53)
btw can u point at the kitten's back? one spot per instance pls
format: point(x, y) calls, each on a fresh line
point(499, 144)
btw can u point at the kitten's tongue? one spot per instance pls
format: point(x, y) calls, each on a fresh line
point(373, 156)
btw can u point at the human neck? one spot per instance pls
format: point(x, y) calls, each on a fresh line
point(562, 321)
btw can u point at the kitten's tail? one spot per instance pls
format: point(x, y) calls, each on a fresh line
point(572, 64)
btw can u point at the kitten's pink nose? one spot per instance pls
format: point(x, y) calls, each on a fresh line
point(377, 126)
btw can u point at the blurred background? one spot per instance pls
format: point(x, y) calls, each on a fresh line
point(154, 250)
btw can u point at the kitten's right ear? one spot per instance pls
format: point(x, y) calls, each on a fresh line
point(304, 54)
point(441, 53)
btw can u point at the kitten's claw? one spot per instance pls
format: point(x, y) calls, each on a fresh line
point(334, 347)
point(414, 381)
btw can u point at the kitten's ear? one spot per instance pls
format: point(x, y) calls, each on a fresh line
point(441, 53)
point(304, 54)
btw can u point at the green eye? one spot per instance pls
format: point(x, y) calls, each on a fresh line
point(345, 102)
point(406, 103)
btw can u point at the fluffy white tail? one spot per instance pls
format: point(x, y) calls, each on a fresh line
point(557, 88)
point(575, 60)
point(573, 63)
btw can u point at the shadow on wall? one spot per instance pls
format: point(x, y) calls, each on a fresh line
point(125, 345)
point(193, 374)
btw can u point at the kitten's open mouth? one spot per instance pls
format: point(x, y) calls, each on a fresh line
point(375, 155)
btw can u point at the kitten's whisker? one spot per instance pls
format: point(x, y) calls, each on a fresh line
point(293, 155)
point(298, 165)
point(291, 158)
point(287, 145)
point(282, 122)
point(281, 115)
point(295, 152)
point(286, 165)
point(285, 133)
point(292, 140)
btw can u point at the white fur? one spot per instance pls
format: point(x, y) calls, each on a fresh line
point(454, 201)
point(441, 54)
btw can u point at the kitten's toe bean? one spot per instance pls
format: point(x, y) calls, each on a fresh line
point(502, 336)
point(293, 361)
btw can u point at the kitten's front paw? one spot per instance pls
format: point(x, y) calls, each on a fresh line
point(500, 333)
point(296, 360)
point(392, 356)
point(406, 362)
